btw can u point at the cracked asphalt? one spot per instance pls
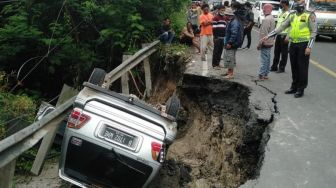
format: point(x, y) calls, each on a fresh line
point(301, 151)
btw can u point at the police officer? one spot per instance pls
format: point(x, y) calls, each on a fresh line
point(302, 35)
point(281, 41)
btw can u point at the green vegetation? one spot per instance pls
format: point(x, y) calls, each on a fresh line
point(14, 106)
point(45, 44)
point(62, 41)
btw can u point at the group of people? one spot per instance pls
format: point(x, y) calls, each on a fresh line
point(300, 29)
point(224, 30)
point(216, 31)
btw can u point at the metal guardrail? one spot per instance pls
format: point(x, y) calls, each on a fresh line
point(29, 136)
point(129, 63)
point(16, 144)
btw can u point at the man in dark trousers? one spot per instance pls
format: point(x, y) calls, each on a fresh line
point(218, 27)
point(166, 33)
point(249, 22)
point(281, 41)
point(302, 35)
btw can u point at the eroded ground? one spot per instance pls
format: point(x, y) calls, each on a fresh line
point(219, 141)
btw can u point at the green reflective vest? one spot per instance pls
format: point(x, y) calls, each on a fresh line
point(299, 31)
point(281, 18)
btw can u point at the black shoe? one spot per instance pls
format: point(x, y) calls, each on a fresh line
point(290, 91)
point(273, 69)
point(298, 94)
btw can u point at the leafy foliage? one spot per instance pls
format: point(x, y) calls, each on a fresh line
point(62, 41)
point(13, 106)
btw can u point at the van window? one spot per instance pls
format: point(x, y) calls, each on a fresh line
point(323, 5)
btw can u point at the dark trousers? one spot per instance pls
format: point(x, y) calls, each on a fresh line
point(217, 51)
point(247, 32)
point(280, 48)
point(300, 64)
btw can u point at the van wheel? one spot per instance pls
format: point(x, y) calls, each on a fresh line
point(173, 106)
point(97, 76)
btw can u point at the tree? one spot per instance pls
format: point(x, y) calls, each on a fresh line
point(62, 41)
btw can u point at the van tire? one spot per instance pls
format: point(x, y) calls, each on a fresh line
point(173, 106)
point(97, 76)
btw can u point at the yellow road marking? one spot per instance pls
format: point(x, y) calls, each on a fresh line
point(323, 68)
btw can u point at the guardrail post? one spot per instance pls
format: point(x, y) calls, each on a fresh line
point(124, 78)
point(45, 146)
point(66, 93)
point(148, 79)
point(7, 174)
point(131, 62)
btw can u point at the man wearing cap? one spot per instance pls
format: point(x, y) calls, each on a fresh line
point(302, 35)
point(233, 39)
point(267, 26)
point(281, 41)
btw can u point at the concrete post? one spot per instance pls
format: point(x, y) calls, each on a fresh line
point(7, 174)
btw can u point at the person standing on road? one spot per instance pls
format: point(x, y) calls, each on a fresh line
point(248, 24)
point(193, 17)
point(302, 35)
point(233, 39)
point(206, 31)
point(281, 41)
point(267, 25)
point(219, 26)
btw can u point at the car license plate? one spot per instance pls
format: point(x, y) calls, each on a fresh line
point(117, 136)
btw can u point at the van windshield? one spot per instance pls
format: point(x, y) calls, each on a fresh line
point(323, 5)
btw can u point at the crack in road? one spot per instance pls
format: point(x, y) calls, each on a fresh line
point(274, 101)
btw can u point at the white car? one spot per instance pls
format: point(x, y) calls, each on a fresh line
point(258, 12)
point(114, 140)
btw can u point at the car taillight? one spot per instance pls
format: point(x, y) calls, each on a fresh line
point(77, 119)
point(158, 152)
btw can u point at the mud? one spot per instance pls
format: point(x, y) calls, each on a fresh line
point(220, 138)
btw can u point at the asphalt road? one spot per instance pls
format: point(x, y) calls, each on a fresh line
point(301, 151)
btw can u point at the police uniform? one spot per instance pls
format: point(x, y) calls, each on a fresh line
point(281, 46)
point(302, 35)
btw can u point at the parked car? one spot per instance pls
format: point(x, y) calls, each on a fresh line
point(115, 140)
point(258, 12)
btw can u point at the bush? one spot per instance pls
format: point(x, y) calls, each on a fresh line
point(15, 106)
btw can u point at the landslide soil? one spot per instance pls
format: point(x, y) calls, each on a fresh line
point(214, 147)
